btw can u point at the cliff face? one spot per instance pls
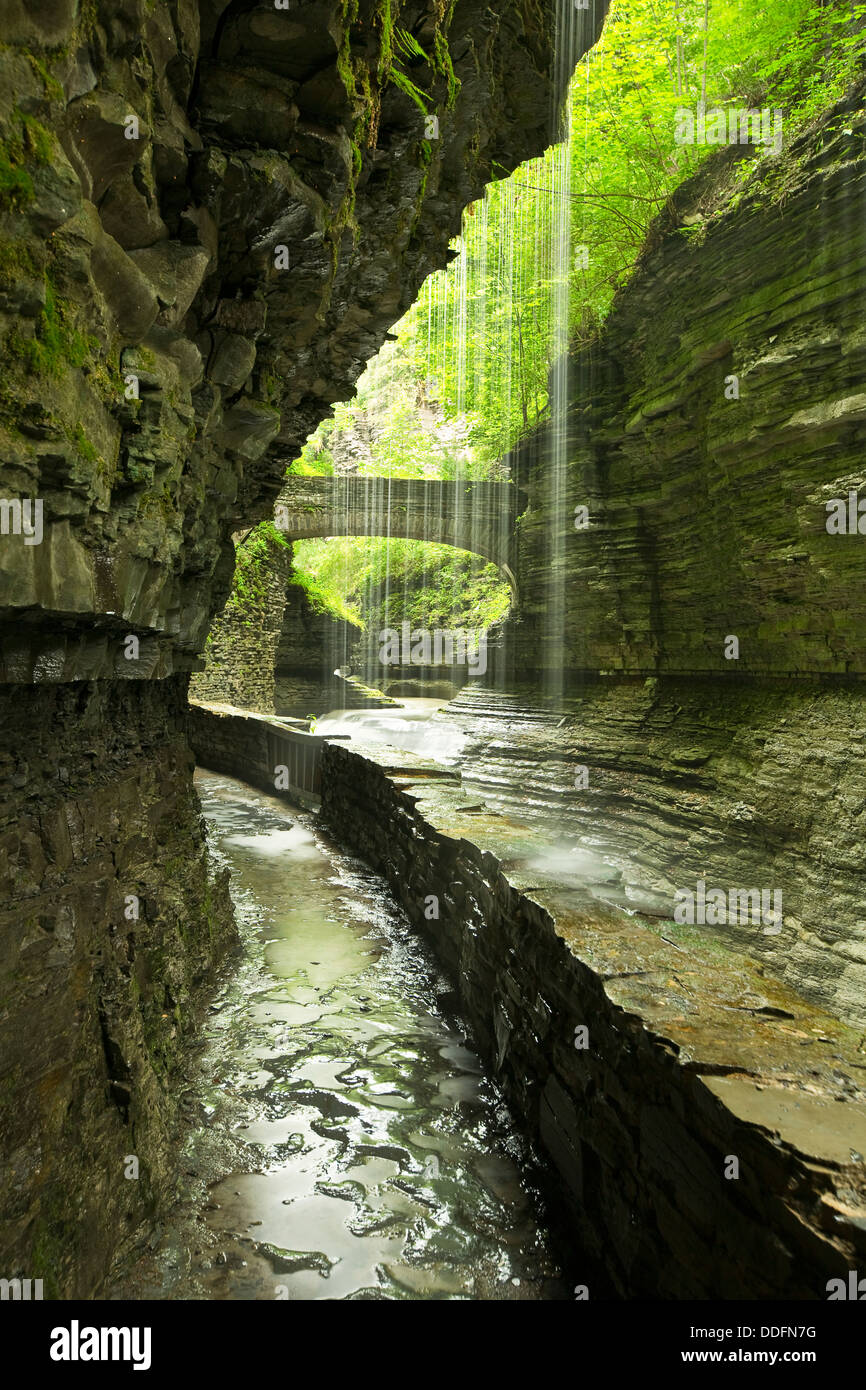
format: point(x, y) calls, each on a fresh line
point(741, 784)
point(210, 215)
point(721, 410)
point(111, 923)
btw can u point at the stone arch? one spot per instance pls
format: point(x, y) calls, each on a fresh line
point(478, 517)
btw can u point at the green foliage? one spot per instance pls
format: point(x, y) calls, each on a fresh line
point(409, 46)
point(484, 331)
point(314, 461)
point(322, 593)
point(408, 86)
point(254, 556)
point(382, 582)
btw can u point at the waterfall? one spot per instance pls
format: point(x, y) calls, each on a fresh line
point(560, 272)
point(481, 358)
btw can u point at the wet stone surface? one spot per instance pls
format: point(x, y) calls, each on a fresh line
point(343, 1140)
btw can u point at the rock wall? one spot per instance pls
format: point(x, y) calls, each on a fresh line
point(641, 1067)
point(311, 646)
point(718, 413)
point(239, 655)
point(707, 510)
point(736, 783)
point(210, 215)
point(112, 922)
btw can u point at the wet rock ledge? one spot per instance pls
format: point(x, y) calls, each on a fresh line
point(695, 1057)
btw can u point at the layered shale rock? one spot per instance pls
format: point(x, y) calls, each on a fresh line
point(210, 214)
point(643, 788)
point(720, 410)
point(111, 923)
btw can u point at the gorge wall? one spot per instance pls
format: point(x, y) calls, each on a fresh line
point(240, 650)
point(721, 408)
point(211, 214)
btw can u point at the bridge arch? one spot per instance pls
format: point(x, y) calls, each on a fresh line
point(475, 516)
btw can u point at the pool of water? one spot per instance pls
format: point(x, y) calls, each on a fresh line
point(343, 1139)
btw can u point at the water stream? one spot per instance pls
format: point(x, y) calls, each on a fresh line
point(408, 725)
point(345, 1141)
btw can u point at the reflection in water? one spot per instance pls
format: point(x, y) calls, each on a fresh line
point(359, 1150)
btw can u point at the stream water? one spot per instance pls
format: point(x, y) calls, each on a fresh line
point(344, 1140)
point(408, 725)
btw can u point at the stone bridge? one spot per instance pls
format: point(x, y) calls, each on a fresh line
point(476, 516)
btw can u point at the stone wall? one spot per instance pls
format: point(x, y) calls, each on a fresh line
point(252, 747)
point(693, 1057)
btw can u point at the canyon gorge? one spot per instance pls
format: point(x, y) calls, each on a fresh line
point(213, 215)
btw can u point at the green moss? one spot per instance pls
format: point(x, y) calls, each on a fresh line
point(57, 344)
point(254, 554)
point(386, 49)
point(16, 185)
point(31, 144)
point(86, 450)
point(38, 141)
point(444, 64)
point(19, 261)
point(53, 88)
